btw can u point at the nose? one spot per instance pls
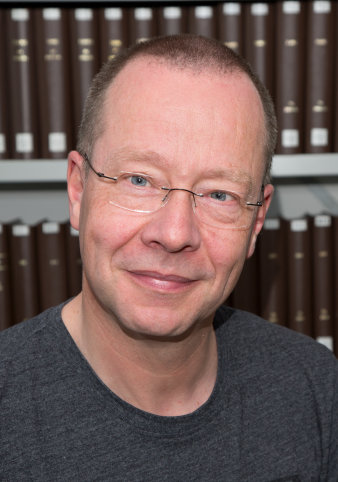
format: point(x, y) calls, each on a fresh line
point(174, 227)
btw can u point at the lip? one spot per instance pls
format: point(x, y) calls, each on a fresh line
point(160, 281)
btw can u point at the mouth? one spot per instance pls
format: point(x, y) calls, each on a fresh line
point(161, 281)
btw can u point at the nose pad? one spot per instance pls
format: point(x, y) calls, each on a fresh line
point(169, 189)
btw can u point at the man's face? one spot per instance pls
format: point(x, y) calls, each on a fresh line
point(164, 274)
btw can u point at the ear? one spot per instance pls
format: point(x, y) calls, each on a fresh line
point(75, 187)
point(260, 217)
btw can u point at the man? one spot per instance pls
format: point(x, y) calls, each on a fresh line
point(141, 376)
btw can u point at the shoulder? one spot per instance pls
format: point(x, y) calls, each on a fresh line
point(262, 345)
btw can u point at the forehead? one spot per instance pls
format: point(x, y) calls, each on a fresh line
point(183, 114)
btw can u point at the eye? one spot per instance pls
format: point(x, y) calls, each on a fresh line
point(221, 196)
point(138, 180)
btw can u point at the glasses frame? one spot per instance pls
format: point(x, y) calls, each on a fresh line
point(169, 189)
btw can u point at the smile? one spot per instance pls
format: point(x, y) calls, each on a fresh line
point(159, 281)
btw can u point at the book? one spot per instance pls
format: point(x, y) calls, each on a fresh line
point(245, 296)
point(319, 77)
point(322, 279)
point(4, 89)
point(142, 24)
point(172, 20)
point(53, 69)
point(299, 291)
point(51, 248)
point(273, 271)
point(74, 263)
point(23, 272)
point(113, 31)
point(22, 98)
point(202, 21)
point(84, 57)
point(259, 48)
point(5, 289)
point(230, 25)
point(290, 76)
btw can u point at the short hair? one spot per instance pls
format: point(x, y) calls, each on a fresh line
point(184, 51)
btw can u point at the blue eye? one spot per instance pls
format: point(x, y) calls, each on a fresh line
point(138, 180)
point(219, 195)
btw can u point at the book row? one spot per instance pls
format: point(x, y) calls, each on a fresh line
point(48, 57)
point(291, 280)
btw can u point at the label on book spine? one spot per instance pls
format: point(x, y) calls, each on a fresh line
point(298, 225)
point(172, 13)
point(24, 142)
point(203, 12)
point(20, 230)
point(231, 9)
point(2, 143)
point(290, 137)
point(113, 13)
point(259, 9)
point(326, 341)
point(322, 221)
point(57, 141)
point(84, 14)
point(143, 13)
point(291, 8)
point(20, 14)
point(51, 14)
point(272, 224)
point(319, 136)
point(50, 228)
point(321, 6)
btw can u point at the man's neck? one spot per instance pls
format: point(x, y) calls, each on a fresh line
point(168, 378)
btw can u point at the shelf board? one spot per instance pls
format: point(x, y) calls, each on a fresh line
point(304, 165)
point(55, 171)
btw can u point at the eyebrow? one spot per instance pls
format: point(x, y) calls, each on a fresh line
point(155, 159)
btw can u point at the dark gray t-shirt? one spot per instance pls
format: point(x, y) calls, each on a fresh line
point(272, 416)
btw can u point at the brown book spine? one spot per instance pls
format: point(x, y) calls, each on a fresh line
point(172, 20)
point(230, 25)
point(273, 273)
point(22, 83)
point(299, 276)
point(23, 270)
point(259, 50)
point(142, 24)
point(319, 77)
point(202, 21)
point(323, 277)
point(4, 89)
point(113, 28)
point(85, 57)
point(246, 293)
point(5, 290)
point(335, 284)
point(54, 81)
point(51, 248)
point(74, 263)
point(290, 69)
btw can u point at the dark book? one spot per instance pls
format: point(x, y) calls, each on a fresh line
point(335, 284)
point(245, 296)
point(113, 31)
point(323, 278)
point(299, 276)
point(290, 76)
point(22, 98)
point(5, 289)
point(142, 24)
point(74, 263)
point(53, 81)
point(259, 48)
point(51, 248)
point(4, 89)
point(84, 57)
point(319, 77)
point(202, 21)
point(273, 271)
point(172, 20)
point(230, 25)
point(23, 272)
